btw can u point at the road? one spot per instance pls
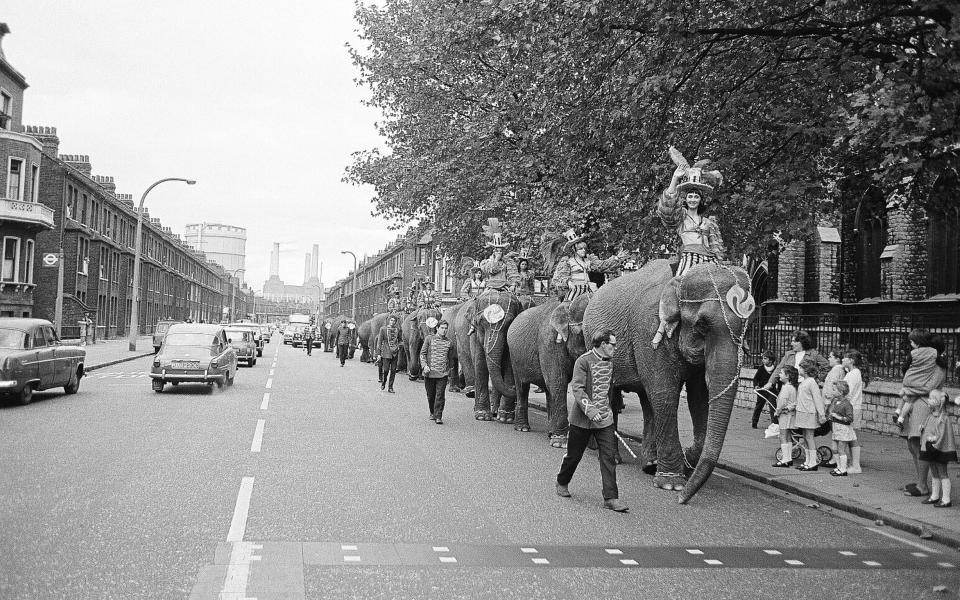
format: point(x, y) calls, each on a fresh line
point(304, 480)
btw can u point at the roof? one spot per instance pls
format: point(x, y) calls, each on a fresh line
point(22, 323)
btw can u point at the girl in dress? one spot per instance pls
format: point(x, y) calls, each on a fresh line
point(938, 449)
point(841, 416)
point(830, 394)
point(810, 411)
point(856, 379)
point(786, 407)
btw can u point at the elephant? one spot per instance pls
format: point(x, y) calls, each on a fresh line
point(538, 358)
point(495, 312)
point(415, 329)
point(706, 312)
point(458, 317)
point(329, 327)
point(367, 332)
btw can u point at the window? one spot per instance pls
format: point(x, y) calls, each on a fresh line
point(15, 179)
point(871, 226)
point(83, 209)
point(83, 256)
point(102, 267)
point(10, 259)
point(35, 183)
point(943, 237)
point(38, 340)
point(6, 109)
point(28, 262)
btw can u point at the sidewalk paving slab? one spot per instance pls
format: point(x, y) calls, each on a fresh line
point(876, 494)
point(110, 352)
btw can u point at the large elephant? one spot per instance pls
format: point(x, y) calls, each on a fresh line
point(329, 327)
point(710, 305)
point(416, 327)
point(495, 312)
point(367, 333)
point(538, 358)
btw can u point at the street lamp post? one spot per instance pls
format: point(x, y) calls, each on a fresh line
point(233, 291)
point(319, 299)
point(354, 310)
point(134, 320)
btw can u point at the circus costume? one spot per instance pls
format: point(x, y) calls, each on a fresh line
point(473, 287)
point(524, 283)
point(571, 278)
point(700, 239)
point(499, 271)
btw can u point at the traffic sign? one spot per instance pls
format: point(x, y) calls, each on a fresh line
point(50, 259)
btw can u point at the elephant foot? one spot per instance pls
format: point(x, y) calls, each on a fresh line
point(669, 481)
point(650, 468)
point(455, 390)
point(558, 441)
point(505, 417)
point(483, 416)
point(522, 427)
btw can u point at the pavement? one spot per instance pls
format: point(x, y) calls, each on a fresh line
point(876, 494)
point(110, 352)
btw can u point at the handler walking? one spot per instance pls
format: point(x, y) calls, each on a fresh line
point(344, 338)
point(387, 347)
point(436, 356)
point(591, 417)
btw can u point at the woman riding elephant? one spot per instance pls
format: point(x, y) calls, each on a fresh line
point(706, 312)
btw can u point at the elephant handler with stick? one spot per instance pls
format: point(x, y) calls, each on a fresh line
point(590, 416)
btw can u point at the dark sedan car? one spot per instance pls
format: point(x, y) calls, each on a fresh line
point(33, 359)
point(194, 353)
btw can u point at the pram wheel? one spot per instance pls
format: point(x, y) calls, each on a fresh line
point(796, 453)
point(824, 455)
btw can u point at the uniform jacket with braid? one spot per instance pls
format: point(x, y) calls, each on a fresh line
point(592, 376)
point(437, 354)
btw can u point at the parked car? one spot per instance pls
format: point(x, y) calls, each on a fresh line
point(255, 330)
point(293, 334)
point(241, 339)
point(266, 332)
point(33, 359)
point(160, 331)
point(194, 353)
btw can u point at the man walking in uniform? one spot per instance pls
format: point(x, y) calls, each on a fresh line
point(387, 347)
point(591, 417)
point(436, 356)
point(344, 337)
point(309, 333)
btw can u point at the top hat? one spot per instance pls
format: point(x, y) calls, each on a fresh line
point(572, 239)
point(524, 254)
point(698, 180)
point(494, 234)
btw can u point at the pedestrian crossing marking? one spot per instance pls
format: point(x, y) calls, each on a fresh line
point(448, 559)
point(540, 561)
point(351, 558)
point(441, 549)
point(614, 551)
point(528, 550)
point(694, 551)
point(793, 562)
point(628, 561)
point(847, 553)
point(345, 547)
point(871, 563)
point(773, 552)
point(712, 561)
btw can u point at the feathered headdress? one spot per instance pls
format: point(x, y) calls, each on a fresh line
point(494, 233)
point(698, 179)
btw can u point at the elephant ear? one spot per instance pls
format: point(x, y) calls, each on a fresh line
point(560, 321)
point(669, 311)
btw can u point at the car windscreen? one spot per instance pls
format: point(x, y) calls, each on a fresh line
point(237, 334)
point(12, 339)
point(163, 327)
point(190, 339)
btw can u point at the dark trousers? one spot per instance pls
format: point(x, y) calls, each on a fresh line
point(388, 370)
point(577, 439)
point(342, 351)
point(764, 396)
point(436, 394)
point(308, 342)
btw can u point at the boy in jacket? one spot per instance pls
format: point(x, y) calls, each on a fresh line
point(590, 415)
point(436, 356)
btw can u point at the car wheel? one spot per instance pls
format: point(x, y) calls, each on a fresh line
point(220, 383)
point(259, 351)
point(74, 385)
point(26, 395)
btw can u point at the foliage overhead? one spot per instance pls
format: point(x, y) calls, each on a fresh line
point(553, 114)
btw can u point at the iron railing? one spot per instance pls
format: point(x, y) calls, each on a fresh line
point(879, 331)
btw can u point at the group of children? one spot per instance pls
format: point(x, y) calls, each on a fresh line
point(802, 405)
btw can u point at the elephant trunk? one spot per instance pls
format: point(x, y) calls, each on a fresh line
point(498, 362)
point(722, 384)
point(413, 356)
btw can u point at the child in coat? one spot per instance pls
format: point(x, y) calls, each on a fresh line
point(938, 449)
point(841, 416)
point(786, 409)
point(810, 411)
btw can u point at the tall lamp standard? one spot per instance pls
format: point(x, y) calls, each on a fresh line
point(134, 321)
point(353, 312)
point(319, 299)
point(233, 290)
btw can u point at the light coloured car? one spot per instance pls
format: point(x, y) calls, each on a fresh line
point(266, 332)
point(255, 330)
point(194, 353)
point(242, 341)
point(33, 359)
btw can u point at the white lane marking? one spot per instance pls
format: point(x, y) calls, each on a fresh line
point(628, 561)
point(847, 553)
point(269, 383)
point(351, 559)
point(441, 549)
point(271, 372)
point(347, 547)
point(794, 563)
point(694, 551)
point(904, 540)
point(266, 401)
point(238, 571)
point(448, 559)
point(257, 436)
point(773, 552)
point(239, 523)
point(613, 551)
point(945, 565)
point(712, 561)
point(540, 561)
point(871, 563)
point(528, 550)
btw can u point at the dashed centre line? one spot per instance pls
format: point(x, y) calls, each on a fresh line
point(266, 401)
point(257, 436)
point(269, 383)
point(238, 526)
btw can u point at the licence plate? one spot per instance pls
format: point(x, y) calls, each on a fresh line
point(182, 364)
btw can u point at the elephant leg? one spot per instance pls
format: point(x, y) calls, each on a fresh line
point(557, 411)
point(481, 400)
point(522, 422)
point(616, 407)
point(455, 385)
point(669, 475)
point(697, 396)
point(649, 444)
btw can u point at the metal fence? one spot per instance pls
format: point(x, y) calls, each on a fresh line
point(879, 331)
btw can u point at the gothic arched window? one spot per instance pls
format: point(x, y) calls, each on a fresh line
point(871, 230)
point(943, 237)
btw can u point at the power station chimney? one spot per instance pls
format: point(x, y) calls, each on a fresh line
point(306, 267)
point(315, 262)
point(275, 261)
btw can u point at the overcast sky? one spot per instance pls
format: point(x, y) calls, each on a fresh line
point(254, 100)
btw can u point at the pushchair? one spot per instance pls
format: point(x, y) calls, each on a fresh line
point(798, 451)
